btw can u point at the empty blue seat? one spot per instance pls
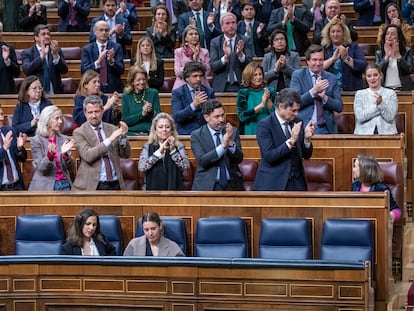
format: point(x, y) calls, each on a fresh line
point(221, 237)
point(174, 229)
point(285, 238)
point(347, 240)
point(39, 235)
point(111, 228)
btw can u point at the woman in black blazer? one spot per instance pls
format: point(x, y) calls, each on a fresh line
point(85, 237)
point(31, 14)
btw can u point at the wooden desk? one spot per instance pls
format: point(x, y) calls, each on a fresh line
point(251, 206)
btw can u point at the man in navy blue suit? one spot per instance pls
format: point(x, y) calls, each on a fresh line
point(319, 90)
point(11, 152)
point(119, 29)
point(187, 100)
point(73, 15)
point(105, 57)
point(284, 141)
point(204, 21)
point(45, 60)
point(128, 11)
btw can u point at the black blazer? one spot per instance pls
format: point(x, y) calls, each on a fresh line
point(33, 65)
point(7, 75)
point(104, 248)
point(27, 23)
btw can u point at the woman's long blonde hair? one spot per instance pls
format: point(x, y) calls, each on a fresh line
point(138, 56)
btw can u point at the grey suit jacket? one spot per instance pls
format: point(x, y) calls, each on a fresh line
point(271, 76)
point(90, 151)
point(302, 82)
point(166, 248)
point(204, 150)
point(45, 170)
point(221, 71)
point(369, 115)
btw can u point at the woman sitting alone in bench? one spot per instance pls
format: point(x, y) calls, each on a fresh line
point(369, 178)
point(85, 237)
point(152, 243)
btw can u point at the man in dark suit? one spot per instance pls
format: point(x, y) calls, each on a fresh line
point(371, 12)
point(11, 152)
point(9, 67)
point(128, 11)
point(229, 54)
point(119, 29)
point(217, 150)
point(319, 90)
point(204, 21)
point(283, 141)
point(187, 100)
point(252, 29)
point(105, 57)
point(45, 60)
point(100, 146)
point(295, 21)
point(73, 15)
point(332, 11)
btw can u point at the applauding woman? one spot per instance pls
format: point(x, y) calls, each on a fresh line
point(395, 60)
point(393, 16)
point(163, 158)
point(153, 242)
point(375, 108)
point(161, 33)
point(191, 50)
point(255, 100)
point(52, 159)
point(140, 103)
point(145, 57)
point(342, 57)
point(85, 237)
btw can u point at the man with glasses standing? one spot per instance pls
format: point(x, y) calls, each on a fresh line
point(45, 60)
point(105, 57)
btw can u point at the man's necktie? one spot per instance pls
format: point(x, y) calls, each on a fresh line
point(231, 77)
point(287, 130)
point(222, 172)
point(108, 168)
point(72, 14)
point(46, 75)
point(103, 71)
point(319, 106)
point(9, 170)
point(200, 29)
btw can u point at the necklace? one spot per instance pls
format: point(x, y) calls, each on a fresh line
point(137, 100)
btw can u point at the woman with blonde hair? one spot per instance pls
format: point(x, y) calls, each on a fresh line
point(52, 158)
point(255, 100)
point(145, 57)
point(190, 50)
point(140, 104)
point(90, 84)
point(162, 33)
point(342, 57)
point(163, 158)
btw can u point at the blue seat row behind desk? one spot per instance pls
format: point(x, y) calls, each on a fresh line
point(224, 237)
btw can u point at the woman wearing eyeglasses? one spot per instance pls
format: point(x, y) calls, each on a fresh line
point(31, 103)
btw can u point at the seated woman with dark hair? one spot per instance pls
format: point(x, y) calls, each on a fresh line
point(342, 57)
point(393, 17)
point(369, 178)
point(395, 60)
point(152, 243)
point(85, 237)
point(279, 63)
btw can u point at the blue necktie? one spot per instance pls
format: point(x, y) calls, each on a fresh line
point(222, 173)
point(46, 75)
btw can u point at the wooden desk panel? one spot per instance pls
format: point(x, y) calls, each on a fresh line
point(251, 206)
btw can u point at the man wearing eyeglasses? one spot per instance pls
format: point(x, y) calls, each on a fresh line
point(45, 60)
point(105, 57)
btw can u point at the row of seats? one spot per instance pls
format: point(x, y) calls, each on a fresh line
point(221, 237)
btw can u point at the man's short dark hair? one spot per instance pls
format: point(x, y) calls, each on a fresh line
point(92, 99)
point(314, 48)
point(209, 106)
point(191, 67)
point(40, 27)
point(287, 98)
